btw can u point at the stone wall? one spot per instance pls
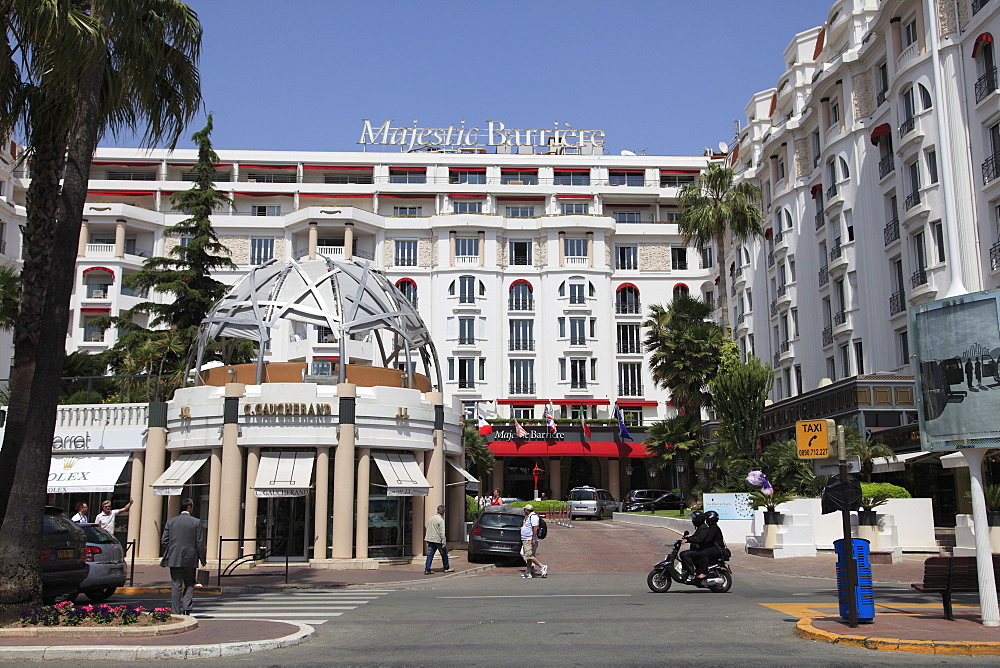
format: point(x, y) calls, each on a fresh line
point(426, 252)
point(803, 158)
point(541, 252)
point(864, 94)
point(654, 257)
point(501, 251)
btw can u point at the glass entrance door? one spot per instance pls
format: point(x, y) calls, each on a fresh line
point(286, 522)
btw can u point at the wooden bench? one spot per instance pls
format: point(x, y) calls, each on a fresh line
point(945, 575)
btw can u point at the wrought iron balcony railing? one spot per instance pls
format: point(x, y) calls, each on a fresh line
point(991, 168)
point(521, 304)
point(520, 387)
point(782, 289)
point(831, 192)
point(897, 303)
point(521, 344)
point(886, 165)
point(824, 275)
point(820, 219)
point(827, 336)
point(986, 84)
point(880, 98)
point(995, 256)
point(840, 317)
point(891, 231)
point(836, 251)
point(774, 307)
point(918, 278)
point(977, 5)
point(907, 126)
point(912, 200)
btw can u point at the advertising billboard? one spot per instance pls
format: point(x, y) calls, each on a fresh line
point(956, 361)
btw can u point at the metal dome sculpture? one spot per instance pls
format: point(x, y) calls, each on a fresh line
point(349, 297)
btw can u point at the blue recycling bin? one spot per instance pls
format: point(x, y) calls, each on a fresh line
point(864, 593)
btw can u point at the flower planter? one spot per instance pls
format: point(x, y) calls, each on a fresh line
point(772, 517)
point(993, 517)
point(869, 532)
point(868, 518)
point(770, 535)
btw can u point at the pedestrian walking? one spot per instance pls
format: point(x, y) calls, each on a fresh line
point(529, 544)
point(183, 543)
point(81, 513)
point(436, 542)
point(106, 518)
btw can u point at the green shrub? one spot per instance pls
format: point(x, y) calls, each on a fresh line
point(889, 490)
point(546, 506)
point(471, 508)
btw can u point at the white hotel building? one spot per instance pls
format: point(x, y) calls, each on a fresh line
point(532, 272)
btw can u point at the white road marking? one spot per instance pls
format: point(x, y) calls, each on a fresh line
point(544, 596)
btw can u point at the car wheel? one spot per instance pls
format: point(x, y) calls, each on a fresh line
point(658, 581)
point(100, 594)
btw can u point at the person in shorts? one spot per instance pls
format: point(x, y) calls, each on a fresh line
point(529, 545)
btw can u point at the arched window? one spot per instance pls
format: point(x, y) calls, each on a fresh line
point(627, 299)
point(409, 290)
point(986, 66)
point(681, 290)
point(520, 296)
point(925, 98)
point(845, 173)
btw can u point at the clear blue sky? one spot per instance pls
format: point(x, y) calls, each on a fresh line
point(662, 76)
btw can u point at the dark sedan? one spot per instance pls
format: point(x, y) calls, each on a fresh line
point(496, 533)
point(668, 501)
point(63, 555)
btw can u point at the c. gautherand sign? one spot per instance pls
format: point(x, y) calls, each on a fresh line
point(813, 438)
point(494, 134)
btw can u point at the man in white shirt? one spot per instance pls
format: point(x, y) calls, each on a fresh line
point(106, 518)
point(81, 513)
point(529, 544)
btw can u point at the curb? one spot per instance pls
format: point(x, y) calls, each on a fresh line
point(104, 653)
point(183, 623)
point(805, 629)
point(164, 590)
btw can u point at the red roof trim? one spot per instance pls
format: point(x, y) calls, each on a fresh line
point(467, 195)
point(192, 164)
point(522, 402)
point(680, 171)
point(326, 357)
point(246, 194)
point(567, 449)
point(408, 196)
point(344, 195)
point(245, 166)
point(95, 310)
point(572, 171)
point(120, 193)
point(520, 280)
point(985, 37)
point(637, 402)
point(124, 163)
point(90, 269)
point(340, 168)
point(820, 41)
point(520, 199)
point(533, 170)
point(774, 104)
point(408, 168)
point(574, 197)
point(581, 402)
point(626, 171)
point(626, 285)
point(466, 169)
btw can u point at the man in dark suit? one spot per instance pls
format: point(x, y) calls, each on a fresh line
point(183, 544)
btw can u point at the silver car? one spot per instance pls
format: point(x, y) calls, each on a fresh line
point(105, 563)
point(591, 502)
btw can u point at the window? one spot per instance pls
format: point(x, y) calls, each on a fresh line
point(516, 178)
point(831, 368)
point(913, 170)
point(466, 247)
point(346, 177)
point(627, 216)
point(859, 357)
point(577, 293)
point(781, 169)
point(482, 368)
point(835, 112)
point(575, 248)
point(520, 211)
point(522, 334)
point(409, 290)
point(523, 412)
point(798, 379)
point(628, 339)
point(572, 178)
point(578, 373)
point(406, 253)
point(626, 257)
point(919, 251)
point(562, 328)
point(577, 331)
point(468, 207)
point(903, 347)
point(467, 176)
point(679, 258)
point(626, 178)
point(706, 258)
point(845, 173)
point(630, 379)
point(322, 367)
point(881, 83)
point(520, 298)
point(261, 249)
point(466, 372)
point(467, 289)
point(668, 215)
point(265, 210)
point(407, 211)
point(522, 378)
point(466, 331)
point(573, 208)
point(627, 300)
point(932, 167)
point(816, 148)
point(909, 32)
point(938, 229)
point(845, 360)
point(271, 177)
point(925, 98)
point(417, 175)
point(520, 253)
point(469, 409)
point(675, 180)
point(909, 109)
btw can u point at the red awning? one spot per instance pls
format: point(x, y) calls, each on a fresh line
point(883, 130)
point(768, 233)
point(627, 171)
point(626, 206)
point(523, 402)
point(572, 171)
point(567, 449)
point(519, 169)
point(326, 357)
point(120, 193)
point(817, 189)
point(192, 163)
point(626, 285)
point(637, 402)
point(95, 310)
point(406, 280)
point(408, 169)
point(520, 199)
point(408, 196)
point(820, 40)
point(245, 166)
point(581, 402)
point(340, 168)
point(245, 194)
point(984, 38)
point(343, 195)
point(521, 280)
point(467, 195)
point(680, 171)
point(774, 104)
point(124, 163)
point(90, 269)
point(574, 197)
point(466, 169)
point(682, 285)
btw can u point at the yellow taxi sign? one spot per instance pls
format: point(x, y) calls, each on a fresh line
point(813, 438)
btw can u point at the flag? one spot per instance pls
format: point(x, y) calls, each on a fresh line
point(550, 422)
point(519, 431)
point(583, 423)
point(484, 426)
point(622, 429)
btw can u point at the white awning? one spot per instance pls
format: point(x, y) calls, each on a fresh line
point(469, 478)
point(401, 473)
point(954, 460)
point(70, 474)
point(283, 473)
point(886, 465)
point(174, 478)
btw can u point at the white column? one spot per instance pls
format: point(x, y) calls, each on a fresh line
point(321, 514)
point(250, 503)
point(214, 505)
point(343, 474)
point(135, 493)
point(120, 238)
point(364, 485)
point(81, 249)
point(988, 609)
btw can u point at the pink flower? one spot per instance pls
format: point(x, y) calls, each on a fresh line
point(161, 609)
point(139, 608)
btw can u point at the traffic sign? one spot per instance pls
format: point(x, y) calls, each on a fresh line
point(813, 438)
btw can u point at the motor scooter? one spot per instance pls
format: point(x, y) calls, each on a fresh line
point(671, 569)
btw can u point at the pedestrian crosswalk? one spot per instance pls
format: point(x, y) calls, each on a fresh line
point(305, 606)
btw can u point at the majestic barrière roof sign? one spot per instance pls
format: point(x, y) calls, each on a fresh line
point(494, 134)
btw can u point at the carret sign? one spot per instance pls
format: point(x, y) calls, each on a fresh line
point(494, 134)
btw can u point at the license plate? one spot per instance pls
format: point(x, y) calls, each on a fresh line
point(496, 546)
point(66, 554)
point(116, 571)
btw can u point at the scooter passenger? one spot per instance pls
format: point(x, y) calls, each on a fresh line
point(696, 540)
point(710, 545)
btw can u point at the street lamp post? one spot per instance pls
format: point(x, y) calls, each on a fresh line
point(535, 472)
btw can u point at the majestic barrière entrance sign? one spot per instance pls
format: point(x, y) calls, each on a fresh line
point(494, 134)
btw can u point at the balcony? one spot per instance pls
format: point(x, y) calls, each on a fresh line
point(891, 231)
point(100, 250)
point(630, 389)
point(629, 347)
point(466, 299)
point(577, 299)
point(466, 260)
point(880, 98)
point(740, 318)
point(827, 336)
point(977, 5)
point(840, 317)
point(466, 384)
point(831, 192)
point(907, 126)
point(985, 85)
point(912, 200)
point(774, 360)
point(782, 289)
point(521, 344)
point(578, 384)
point(628, 308)
point(575, 261)
point(774, 307)
point(995, 256)
point(836, 251)
point(520, 304)
point(897, 303)
point(820, 219)
point(466, 340)
point(779, 236)
point(91, 335)
point(918, 278)
point(770, 259)
point(907, 54)
point(885, 166)
point(520, 387)
point(824, 275)
point(578, 341)
point(991, 168)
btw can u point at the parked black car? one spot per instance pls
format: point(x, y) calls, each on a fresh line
point(63, 555)
point(668, 501)
point(496, 532)
point(639, 496)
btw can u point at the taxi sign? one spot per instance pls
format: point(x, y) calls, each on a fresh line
point(813, 438)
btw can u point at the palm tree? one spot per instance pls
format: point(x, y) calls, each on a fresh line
point(69, 72)
point(868, 451)
point(675, 440)
point(10, 296)
point(714, 206)
point(478, 453)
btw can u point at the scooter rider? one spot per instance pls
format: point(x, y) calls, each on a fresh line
point(696, 540)
point(711, 545)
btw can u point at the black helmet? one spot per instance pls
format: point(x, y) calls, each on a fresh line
point(698, 518)
point(712, 517)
